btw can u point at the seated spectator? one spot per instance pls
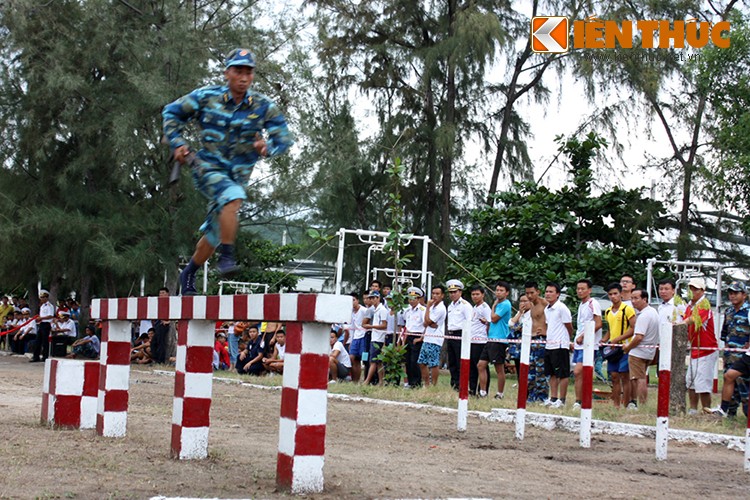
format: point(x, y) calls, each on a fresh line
point(141, 353)
point(86, 347)
point(250, 360)
point(221, 346)
point(25, 334)
point(11, 323)
point(63, 333)
point(339, 363)
point(275, 363)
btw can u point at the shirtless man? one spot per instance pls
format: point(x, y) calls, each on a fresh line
point(538, 387)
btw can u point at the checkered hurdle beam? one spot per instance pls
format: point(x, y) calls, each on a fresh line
point(70, 393)
point(305, 383)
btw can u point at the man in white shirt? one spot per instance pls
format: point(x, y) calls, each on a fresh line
point(669, 312)
point(63, 333)
point(339, 363)
point(480, 322)
point(355, 335)
point(414, 325)
point(44, 326)
point(646, 334)
point(588, 310)
point(557, 350)
point(434, 335)
point(459, 312)
point(378, 326)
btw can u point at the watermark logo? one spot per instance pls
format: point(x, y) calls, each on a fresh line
point(549, 34)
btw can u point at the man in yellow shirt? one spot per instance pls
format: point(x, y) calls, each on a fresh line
point(621, 321)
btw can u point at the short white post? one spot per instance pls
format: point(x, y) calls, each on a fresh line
point(587, 391)
point(463, 381)
point(665, 379)
point(523, 385)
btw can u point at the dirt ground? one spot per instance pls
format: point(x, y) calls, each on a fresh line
point(372, 451)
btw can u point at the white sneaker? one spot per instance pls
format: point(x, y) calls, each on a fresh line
point(692, 411)
point(482, 394)
point(331, 382)
point(557, 404)
point(576, 405)
point(715, 411)
point(406, 385)
point(631, 406)
point(547, 402)
point(499, 395)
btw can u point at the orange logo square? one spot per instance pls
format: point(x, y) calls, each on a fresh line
point(549, 34)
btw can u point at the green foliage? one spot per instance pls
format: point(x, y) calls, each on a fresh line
point(538, 234)
point(392, 356)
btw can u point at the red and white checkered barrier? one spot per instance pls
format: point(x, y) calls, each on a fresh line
point(114, 379)
point(192, 389)
point(302, 424)
point(70, 392)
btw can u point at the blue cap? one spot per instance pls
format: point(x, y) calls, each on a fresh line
point(374, 293)
point(738, 286)
point(239, 57)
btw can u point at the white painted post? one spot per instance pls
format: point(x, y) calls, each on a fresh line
point(665, 377)
point(588, 384)
point(463, 382)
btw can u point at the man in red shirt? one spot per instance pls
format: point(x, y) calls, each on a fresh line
point(703, 354)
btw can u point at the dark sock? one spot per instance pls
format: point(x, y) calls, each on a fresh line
point(226, 250)
point(725, 405)
point(192, 267)
point(577, 401)
point(563, 400)
point(553, 399)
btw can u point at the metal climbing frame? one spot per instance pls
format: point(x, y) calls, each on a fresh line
point(242, 287)
point(377, 241)
point(406, 277)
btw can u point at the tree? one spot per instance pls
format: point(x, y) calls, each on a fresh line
point(534, 233)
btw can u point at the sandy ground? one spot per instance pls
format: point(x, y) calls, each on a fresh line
point(372, 451)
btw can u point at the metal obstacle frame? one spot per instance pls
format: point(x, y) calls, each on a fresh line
point(243, 287)
point(406, 276)
point(376, 241)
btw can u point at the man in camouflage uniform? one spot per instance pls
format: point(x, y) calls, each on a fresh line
point(232, 120)
point(736, 334)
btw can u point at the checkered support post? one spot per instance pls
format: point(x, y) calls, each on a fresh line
point(70, 392)
point(114, 379)
point(587, 390)
point(192, 389)
point(302, 426)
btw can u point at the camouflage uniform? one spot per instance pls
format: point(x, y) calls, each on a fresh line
point(227, 132)
point(736, 333)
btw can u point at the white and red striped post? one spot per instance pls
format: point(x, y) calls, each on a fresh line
point(587, 389)
point(114, 379)
point(523, 385)
point(463, 381)
point(304, 402)
point(747, 445)
point(69, 397)
point(665, 379)
point(192, 389)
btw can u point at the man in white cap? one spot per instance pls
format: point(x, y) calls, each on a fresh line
point(703, 353)
point(63, 333)
point(44, 326)
point(414, 326)
point(459, 312)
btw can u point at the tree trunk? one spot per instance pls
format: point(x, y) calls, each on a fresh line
point(85, 302)
point(449, 121)
point(677, 387)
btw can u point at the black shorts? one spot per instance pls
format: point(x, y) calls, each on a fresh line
point(494, 352)
point(742, 365)
point(557, 362)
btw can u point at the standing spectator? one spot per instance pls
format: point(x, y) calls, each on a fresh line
point(520, 324)
point(339, 364)
point(367, 325)
point(646, 333)
point(703, 353)
point(250, 360)
point(538, 385)
point(557, 350)
point(459, 312)
point(44, 326)
point(233, 338)
point(588, 310)
point(232, 119)
point(414, 326)
point(480, 323)
point(620, 319)
point(75, 310)
point(160, 339)
point(736, 334)
point(356, 334)
point(378, 327)
point(670, 305)
point(86, 347)
point(495, 349)
point(627, 282)
point(434, 335)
